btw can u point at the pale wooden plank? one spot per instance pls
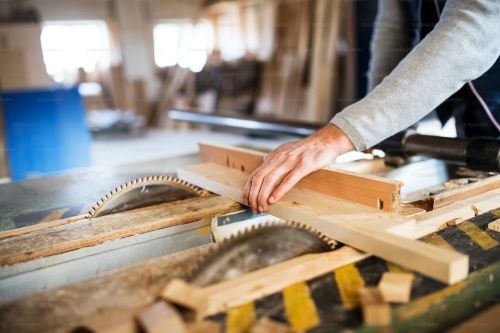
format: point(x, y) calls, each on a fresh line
point(352, 228)
point(495, 225)
point(257, 284)
point(396, 287)
point(454, 195)
point(40, 226)
point(376, 311)
point(160, 318)
point(372, 191)
point(465, 209)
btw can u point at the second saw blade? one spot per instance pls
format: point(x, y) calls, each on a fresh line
point(256, 248)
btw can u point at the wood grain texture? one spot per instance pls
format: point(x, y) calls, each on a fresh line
point(464, 209)
point(40, 226)
point(357, 228)
point(255, 285)
point(455, 195)
point(84, 303)
point(372, 191)
point(101, 229)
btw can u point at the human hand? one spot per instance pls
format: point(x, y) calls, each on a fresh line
point(290, 162)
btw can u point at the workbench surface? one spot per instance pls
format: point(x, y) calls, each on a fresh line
point(325, 304)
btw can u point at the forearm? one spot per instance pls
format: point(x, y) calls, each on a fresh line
point(462, 46)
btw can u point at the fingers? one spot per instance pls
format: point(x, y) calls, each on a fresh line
point(258, 180)
point(265, 162)
point(302, 169)
point(248, 185)
point(269, 183)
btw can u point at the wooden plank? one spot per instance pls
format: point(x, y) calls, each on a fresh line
point(99, 230)
point(257, 284)
point(376, 311)
point(495, 225)
point(160, 318)
point(352, 228)
point(396, 287)
point(114, 297)
point(457, 194)
point(40, 226)
point(465, 209)
point(372, 191)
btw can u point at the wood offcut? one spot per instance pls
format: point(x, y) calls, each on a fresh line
point(227, 294)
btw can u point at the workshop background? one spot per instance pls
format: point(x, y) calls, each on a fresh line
point(102, 83)
point(127, 131)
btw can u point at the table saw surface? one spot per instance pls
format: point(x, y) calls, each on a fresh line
point(129, 285)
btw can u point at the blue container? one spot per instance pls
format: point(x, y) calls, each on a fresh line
point(45, 132)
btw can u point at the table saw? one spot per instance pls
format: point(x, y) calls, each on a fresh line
point(88, 252)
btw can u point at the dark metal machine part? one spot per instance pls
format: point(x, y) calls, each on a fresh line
point(257, 248)
point(479, 153)
point(476, 153)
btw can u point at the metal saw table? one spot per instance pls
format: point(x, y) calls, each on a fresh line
point(121, 276)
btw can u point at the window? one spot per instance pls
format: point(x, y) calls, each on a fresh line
point(182, 43)
point(69, 45)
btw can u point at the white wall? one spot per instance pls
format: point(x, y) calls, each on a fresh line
point(134, 20)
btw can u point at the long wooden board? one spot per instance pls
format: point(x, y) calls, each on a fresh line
point(101, 229)
point(372, 191)
point(458, 194)
point(353, 228)
point(40, 226)
point(257, 284)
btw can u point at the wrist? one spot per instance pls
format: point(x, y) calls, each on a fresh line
point(335, 138)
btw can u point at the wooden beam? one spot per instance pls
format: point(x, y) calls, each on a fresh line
point(40, 226)
point(160, 318)
point(372, 191)
point(495, 225)
point(219, 297)
point(455, 195)
point(396, 287)
point(101, 229)
point(465, 209)
point(352, 228)
point(376, 311)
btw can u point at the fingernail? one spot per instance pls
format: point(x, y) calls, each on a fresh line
point(271, 200)
point(260, 209)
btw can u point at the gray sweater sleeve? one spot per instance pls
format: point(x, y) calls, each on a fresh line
point(462, 46)
point(391, 41)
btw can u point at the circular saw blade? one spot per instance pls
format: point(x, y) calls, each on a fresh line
point(258, 247)
point(143, 192)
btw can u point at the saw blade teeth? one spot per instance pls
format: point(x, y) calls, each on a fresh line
point(144, 180)
point(240, 234)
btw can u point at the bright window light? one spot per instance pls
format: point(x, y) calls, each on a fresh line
point(182, 43)
point(69, 45)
